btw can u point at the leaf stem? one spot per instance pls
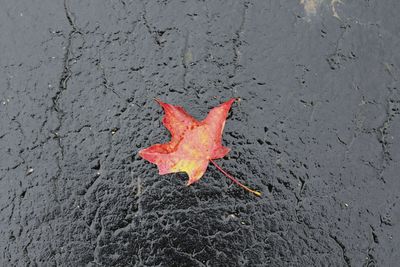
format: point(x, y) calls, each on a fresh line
point(234, 180)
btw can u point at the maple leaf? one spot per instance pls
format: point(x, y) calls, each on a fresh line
point(193, 143)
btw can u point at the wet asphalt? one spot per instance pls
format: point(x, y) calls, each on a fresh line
point(316, 131)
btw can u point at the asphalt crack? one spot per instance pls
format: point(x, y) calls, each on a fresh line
point(343, 248)
point(106, 83)
point(237, 38)
point(154, 33)
point(62, 87)
point(392, 109)
point(184, 61)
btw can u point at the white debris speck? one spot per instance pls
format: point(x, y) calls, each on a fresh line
point(29, 171)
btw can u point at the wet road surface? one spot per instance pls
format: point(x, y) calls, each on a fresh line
point(316, 130)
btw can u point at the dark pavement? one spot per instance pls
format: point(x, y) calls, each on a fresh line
point(316, 131)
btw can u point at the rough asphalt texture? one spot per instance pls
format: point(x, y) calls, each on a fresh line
point(317, 131)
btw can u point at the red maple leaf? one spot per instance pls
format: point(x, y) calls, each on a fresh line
point(193, 143)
